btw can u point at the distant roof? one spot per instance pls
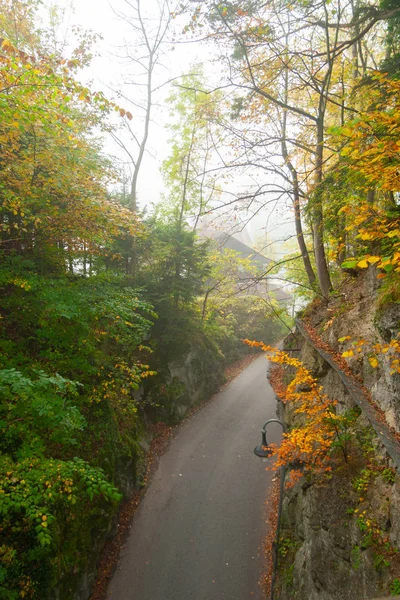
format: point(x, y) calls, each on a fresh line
point(279, 293)
point(264, 287)
point(225, 240)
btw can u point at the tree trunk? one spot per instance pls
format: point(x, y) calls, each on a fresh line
point(296, 191)
point(204, 308)
point(318, 220)
point(300, 236)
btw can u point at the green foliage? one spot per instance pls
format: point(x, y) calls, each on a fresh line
point(69, 320)
point(395, 587)
point(391, 63)
point(365, 437)
point(287, 549)
point(231, 321)
point(361, 483)
point(380, 561)
point(389, 292)
point(172, 275)
point(79, 338)
point(38, 498)
point(288, 575)
point(174, 266)
point(33, 411)
point(70, 363)
point(193, 112)
point(389, 475)
point(355, 557)
point(53, 177)
point(343, 426)
point(70, 328)
point(286, 545)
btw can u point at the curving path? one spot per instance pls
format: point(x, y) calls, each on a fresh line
point(198, 531)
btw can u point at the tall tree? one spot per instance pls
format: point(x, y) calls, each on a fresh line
point(142, 52)
point(290, 60)
point(53, 179)
point(191, 181)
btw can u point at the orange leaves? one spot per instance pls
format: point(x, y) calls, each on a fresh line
point(374, 225)
point(372, 154)
point(124, 113)
point(54, 179)
point(389, 351)
point(309, 442)
point(372, 147)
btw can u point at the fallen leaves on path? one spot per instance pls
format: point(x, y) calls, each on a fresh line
point(161, 435)
point(240, 365)
point(271, 508)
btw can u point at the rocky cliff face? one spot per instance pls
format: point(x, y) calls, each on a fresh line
point(340, 537)
point(184, 382)
point(200, 372)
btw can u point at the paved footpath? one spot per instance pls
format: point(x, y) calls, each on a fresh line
point(198, 531)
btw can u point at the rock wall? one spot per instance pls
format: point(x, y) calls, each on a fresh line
point(201, 374)
point(183, 383)
point(340, 538)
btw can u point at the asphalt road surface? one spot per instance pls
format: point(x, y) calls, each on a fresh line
point(198, 532)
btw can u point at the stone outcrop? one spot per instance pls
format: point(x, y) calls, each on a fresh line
point(340, 537)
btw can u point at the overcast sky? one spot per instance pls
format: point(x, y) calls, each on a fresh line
point(110, 73)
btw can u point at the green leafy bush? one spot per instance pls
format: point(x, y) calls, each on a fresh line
point(395, 587)
point(40, 500)
point(36, 412)
point(72, 352)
